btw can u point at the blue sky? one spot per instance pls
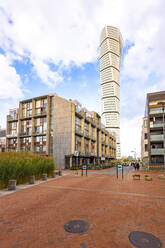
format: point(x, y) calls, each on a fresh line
point(45, 48)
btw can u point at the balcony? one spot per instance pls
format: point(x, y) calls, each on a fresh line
point(38, 132)
point(79, 113)
point(157, 151)
point(79, 131)
point(87, 119)
point(28, 115)
point(43, 112)
point(156, 125)
point(93, 123)
point(93, 138)
point(12, 118)
point(156, 111)
point(11, 135)
point(25, 134)
point(157, 137)
point(86, 135)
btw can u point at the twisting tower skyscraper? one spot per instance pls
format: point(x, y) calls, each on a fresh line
point(110, 52)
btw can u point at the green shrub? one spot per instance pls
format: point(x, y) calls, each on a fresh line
point(21, 165)
point(136, 175)
point(146, 176)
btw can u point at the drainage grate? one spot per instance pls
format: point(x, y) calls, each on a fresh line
point(144, 240)
point(76, 226)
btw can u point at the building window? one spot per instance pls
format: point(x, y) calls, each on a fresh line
point(77, 123)
point(41, 106)
point(145, 136)
point(146, 147)
point(40, 144)
point(27, 109)
point(26, 127)
point(86, 146)
point(93, 147)
point(77, 143)
point(86, 129)
point(12, 145)
point(25, 144)
point(145, 123)
point(41, 125)
point(13, 128)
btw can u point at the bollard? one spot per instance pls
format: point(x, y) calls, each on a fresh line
point(44, 176)
point(54, 174)
point(12, 185)
point(32, 180)
point(60, 173)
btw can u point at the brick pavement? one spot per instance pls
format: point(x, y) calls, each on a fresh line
point(35, 217)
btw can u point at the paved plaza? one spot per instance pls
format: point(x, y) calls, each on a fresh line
point(35, 217)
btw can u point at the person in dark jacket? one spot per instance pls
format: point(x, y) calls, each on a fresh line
point(137, 166)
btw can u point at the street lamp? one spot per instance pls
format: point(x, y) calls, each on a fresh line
point(134, 151)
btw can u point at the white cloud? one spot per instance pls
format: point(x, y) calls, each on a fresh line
point(129, 134)
point(10, 82)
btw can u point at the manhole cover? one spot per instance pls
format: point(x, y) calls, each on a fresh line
point(76, 226)
point(144, 240)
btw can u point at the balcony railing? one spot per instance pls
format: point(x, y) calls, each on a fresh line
point(154, 125)
point(12, 118)
point(11, 135)
point(78, 131)
point(157, 137)
point(43, 112)
point(156, 111)
point(157, 151)
point(27, 115)
point(86, 135)
point(39, 132)
point(25, 133)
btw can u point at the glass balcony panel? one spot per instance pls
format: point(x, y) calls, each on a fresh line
point(159, 124)
point(156, 111)
point(157, 137)
point(159, 151)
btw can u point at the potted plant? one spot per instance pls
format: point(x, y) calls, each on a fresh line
point(136, 176)
point(147, 178)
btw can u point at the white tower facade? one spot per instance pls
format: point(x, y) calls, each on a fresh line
point(110, 52)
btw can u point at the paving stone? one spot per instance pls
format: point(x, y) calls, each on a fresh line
point(10, 229)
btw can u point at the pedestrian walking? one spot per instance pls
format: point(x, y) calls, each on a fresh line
point(137, 166)
point(134, 165)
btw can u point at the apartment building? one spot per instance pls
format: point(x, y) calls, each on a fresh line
point(144, 142)
point(155, 110)
point(52, 125)
point(2, 139)
point(29, 127)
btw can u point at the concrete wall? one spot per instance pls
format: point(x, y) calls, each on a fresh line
point(62, 130)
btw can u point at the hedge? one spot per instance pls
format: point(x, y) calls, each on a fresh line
point(21, 165)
